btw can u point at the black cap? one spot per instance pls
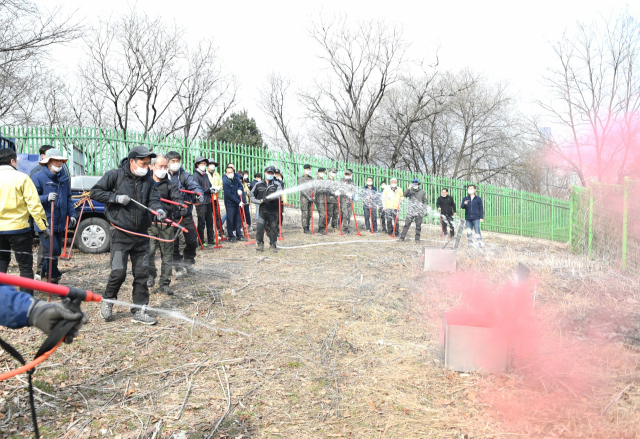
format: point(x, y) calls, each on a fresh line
point(140, 152)
point(270, 169)
point(307, 166)
point(348, 171)
point(200, 160)
point(213, 162)
point(278, 171)
point(322, 169)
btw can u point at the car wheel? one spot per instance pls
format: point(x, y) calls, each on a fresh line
point(93, 236)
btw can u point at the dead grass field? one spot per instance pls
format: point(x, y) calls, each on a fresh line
point(344, 342)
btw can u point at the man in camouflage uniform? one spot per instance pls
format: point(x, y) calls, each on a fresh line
point(305, 199)
point(332, 200)
point(319, 197)
point(347, 196)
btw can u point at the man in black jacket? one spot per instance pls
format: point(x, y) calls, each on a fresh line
point(447, 208)
point(417, 205)
point(116, 190)
point(268, 212)
point(169, 191)
point(204, 210)
point(185, 181)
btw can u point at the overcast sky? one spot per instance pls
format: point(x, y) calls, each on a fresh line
point(507, 40)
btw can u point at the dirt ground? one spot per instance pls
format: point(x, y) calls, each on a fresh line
point(336, 341)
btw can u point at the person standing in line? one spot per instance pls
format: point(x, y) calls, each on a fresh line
point(474, 214)
point(417, 206)
point(54, 186)
point(380, 207)
point(43, 152)
point(216, 187)
point(319, 196)
point(305, 198)
point(257, 177)
point(332, 200)
point(283, 197)
point(247, 195)
point(20, 201)
point(391, 200)
point(233, 202)
point(369, 203)
point(116, 189)
point(37, 168)
point(268, 213)
point(348, 194)
point(167, 190)
point(447, 208)
point(204, 210)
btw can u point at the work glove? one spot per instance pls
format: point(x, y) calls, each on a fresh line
point(239, 193)
point(338, 193)
point(72, 222)
point(46, 233)
point(312, 199)
point(162, 215)
point(184, 211)
point(123, 199)
point(200, 198)
point(259, 201)
point(241, 203)
point(52, 196)
point(45, 316)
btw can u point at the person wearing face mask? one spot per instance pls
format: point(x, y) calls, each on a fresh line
point(53, 185)
point(348, 195)
point(320, 195)
point(167, 190)
point(380, 207)
point(247, 196)
point(257, 177)
point(474, 214)
point(305, 198)
point(183, 263)
point(332, 193)
point(216, 186)
point(233, 202)
point(369, 203)
point(15, 231)
point(268, 213)
point(117, 187)
point(391, 200)
point(447, 209)
point(417, 206)
point(204, 209)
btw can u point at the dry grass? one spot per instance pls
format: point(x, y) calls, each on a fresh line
point(344, 343)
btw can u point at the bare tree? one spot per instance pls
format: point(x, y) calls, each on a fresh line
point(595, 98)
point(272, 103)
point(363, 62)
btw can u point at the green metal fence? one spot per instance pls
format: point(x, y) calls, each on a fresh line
point(506, 210)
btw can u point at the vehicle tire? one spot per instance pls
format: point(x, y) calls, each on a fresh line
point(93, 236)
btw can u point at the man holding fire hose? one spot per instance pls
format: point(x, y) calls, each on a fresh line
point(131, 222)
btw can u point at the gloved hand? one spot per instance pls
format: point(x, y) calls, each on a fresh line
point(45, 316)
point(123, 199)
point(217, 188)
point(162, 215)
point(241, 203)
point(52, 196)
point(185, 211)
point(200, 198)
point(259, 201)
point(46, 233)
point(239, 193)
point(312, 199)
point(338, 193)
point(72, 222)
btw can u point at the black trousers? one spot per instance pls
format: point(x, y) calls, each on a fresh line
point(391, 220)
point(21, 245)
point(247, 213)
point(371, 218)
point(270, 218)
point(305, 212)
point(58, 241)
point(205, 218)
point(124, 247)
point(190, 240)
point(407, 225)
point(447, 220)
point(382, 215)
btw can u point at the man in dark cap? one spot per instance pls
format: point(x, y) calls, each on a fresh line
point(268, 212)
point(216, 186)
point(348, 195)
point(332, 200)
point(116, 190)
point(305, 198)
point(319, 196)
point(204, 209)
point(417, 206)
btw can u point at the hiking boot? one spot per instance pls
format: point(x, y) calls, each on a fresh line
point(151, 281)
point(56, 280)
point(232, 240)
point(401, 239)
point(417, 239)
point(106, 310)
point(166, 290)
point(306, 231)
point(260, 247)
point(144, 318)
point(190, 269)
point(242, 238)
point(273, 248)
point(180, 272)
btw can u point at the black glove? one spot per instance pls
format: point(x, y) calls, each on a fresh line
point(312, 199)
point(200, 199)
point(52, 196)
point(123, 199)
point(72, 222)
point(162, 215)
point(46, 233)
point(45, 316)
point(185, 211)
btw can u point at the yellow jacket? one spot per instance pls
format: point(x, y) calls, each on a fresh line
point(247, 191)
point(215, 180)
point(19, 201)
point(391, 199)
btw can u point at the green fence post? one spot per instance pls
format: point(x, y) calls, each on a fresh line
point(590, 218)
point(521, 215)
point(625, 223)
point(571, 198)
point(552, 219)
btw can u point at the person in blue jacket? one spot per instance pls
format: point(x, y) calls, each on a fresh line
point(234, 199)
point(54, 186)
point(474, 215)
point(18, 309)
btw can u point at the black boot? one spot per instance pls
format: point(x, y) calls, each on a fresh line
point(273, 248)
point(260, 247)
point(306, 231)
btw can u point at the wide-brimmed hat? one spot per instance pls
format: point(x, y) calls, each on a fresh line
point(55, 154)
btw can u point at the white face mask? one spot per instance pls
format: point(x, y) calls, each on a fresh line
point(347, 177)
point(160, 173)
point(369, 183)
point(321, 175)
point(394, 185)
point(212, 168)
point(229, 176)
point(55, 169)
point(416, 185)
point(140, 172)
point(202, 168)
point(331, 174)
point(307, 171)
point(471, 191)
point(174, 167)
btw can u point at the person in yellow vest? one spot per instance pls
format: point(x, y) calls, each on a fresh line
point(391, 198)
point(216, 186)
